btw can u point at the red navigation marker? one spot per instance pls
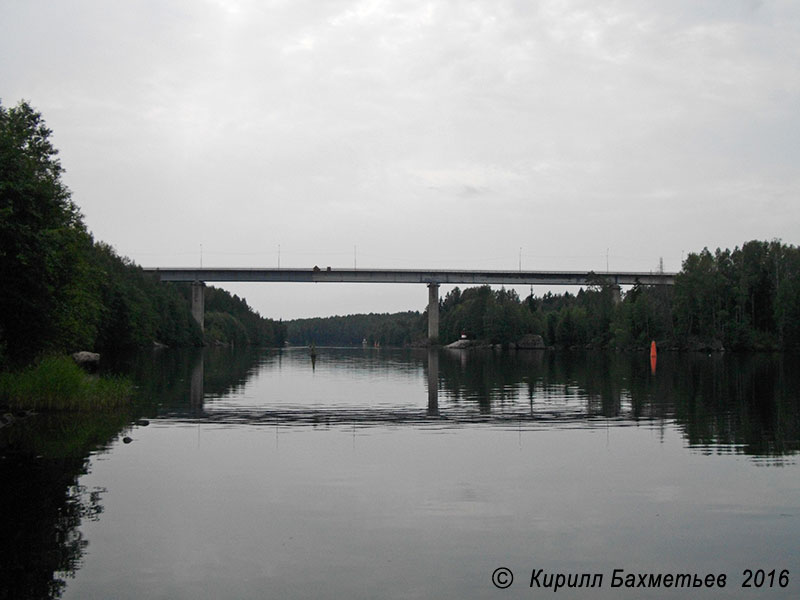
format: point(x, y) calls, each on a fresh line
point(653, 355)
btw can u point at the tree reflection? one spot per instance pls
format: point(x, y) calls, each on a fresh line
point(43, 504)
point(742, 403)
point(721, 402)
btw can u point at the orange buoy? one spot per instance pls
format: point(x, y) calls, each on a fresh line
point(653, 355)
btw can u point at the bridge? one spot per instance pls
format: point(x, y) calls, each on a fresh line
point(433, 278)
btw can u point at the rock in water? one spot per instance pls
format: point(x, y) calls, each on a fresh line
point(531, 342)
point(86, 358)
point(459, 344)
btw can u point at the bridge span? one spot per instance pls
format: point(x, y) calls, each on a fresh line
point(433, 278)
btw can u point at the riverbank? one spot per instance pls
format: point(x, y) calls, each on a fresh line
point(56, 383)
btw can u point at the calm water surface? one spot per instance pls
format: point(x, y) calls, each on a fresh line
point(409, 474)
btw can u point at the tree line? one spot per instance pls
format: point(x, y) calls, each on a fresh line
point(747, 298)
point(384, 329)
point(64, 291)
point(229, 320)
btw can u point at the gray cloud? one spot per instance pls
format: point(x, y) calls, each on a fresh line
point(419, 132)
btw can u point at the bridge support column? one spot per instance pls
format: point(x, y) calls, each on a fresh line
point(199, 302)
point(616, 294)
point(433, 313)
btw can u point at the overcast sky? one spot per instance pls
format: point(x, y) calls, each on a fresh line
point(415, 134)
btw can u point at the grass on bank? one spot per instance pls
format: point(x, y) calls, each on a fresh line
point(58, 384)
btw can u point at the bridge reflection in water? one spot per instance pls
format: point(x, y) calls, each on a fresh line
point(316, 414)
point(433, 382)
point(721, 402)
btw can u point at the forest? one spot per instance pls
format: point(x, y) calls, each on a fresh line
point(384, 329)
point(747, 298)
point(64, 291)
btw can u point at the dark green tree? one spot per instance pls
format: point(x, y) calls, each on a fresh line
point(45, 297)
point(787, 300)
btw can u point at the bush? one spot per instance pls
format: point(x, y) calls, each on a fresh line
point(57, 383)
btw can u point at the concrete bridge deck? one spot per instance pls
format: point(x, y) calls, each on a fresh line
point(431, 277)
point(427, 276)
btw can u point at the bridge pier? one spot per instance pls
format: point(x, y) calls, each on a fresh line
point(199, 303)
point(616, 295)
point(433, 313)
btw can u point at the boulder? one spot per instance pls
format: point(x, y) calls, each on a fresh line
point(459, 344)
point(531, 342)
point(85, 358)
point(713, 345)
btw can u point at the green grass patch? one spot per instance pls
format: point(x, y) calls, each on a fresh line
point(58, 384)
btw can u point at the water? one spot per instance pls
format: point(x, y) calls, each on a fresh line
point(409, 474)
